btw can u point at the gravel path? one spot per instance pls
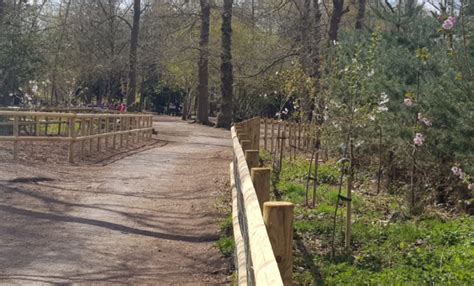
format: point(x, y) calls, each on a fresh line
point(148, 218)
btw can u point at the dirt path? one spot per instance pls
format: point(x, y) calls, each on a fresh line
point(149, 218)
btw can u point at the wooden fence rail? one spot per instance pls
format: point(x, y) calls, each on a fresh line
point(294, 136)
point(263, 247)
point(83, 129)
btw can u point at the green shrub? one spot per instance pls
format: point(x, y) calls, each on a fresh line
point(226, 245)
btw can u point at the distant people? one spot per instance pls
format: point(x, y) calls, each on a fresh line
point(122, 107)
point(172, 109)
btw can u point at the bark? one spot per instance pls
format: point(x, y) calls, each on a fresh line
point(2, 9)
point(309, 56)
point(203, 66)
point(132, 76)
point(54, 92)
point(316, 104)
point(224, 119)
point(305, 54)
point(316, 44)
point(337, 13)
point(360, 15)
point(187, 105)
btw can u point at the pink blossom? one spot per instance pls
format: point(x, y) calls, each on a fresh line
point(424, 120)
point(470, 186)
point(285, 111)
point(452, 19)
point(419, 139)
point(449, 23)
point(458, 172)
point(408, 102)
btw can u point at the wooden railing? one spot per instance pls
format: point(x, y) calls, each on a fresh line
point(264, 243)
point(83, 129)
point(292, 136)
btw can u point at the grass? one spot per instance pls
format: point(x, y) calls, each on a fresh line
point(424, 250)
point(226, 244)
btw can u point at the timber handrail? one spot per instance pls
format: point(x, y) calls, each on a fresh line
point(24, 126)
point(253, 247)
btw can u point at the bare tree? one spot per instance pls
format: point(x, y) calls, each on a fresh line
point(132, 84)
point(224, 118)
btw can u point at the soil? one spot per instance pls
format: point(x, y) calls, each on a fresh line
point(147, 216)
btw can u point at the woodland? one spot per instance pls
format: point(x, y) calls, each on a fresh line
point(387, 86)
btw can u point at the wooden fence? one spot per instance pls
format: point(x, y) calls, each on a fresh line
point(293, 137)
point(116, 130)
point(263, 230)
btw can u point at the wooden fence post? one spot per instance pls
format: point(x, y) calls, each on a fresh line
point(83, 133)
point(278, 138)
point(278, 218)
point(114, 129)
point(142, 125)
point(46, 127)
point(15, 134)
point(282, 150)
point(252, 158)
point(256, 133)
point(37, 126)
point(90, 131)
point(290, 137)
point(72, 137)
point(248, 131)
point(59, 127)
point(107, 131)
point(272, 136)
point(133, 124)
point(239, 131)
point(261, 180)
point(293, 140)
point(246, 145)
point(243, 136)
point(299, 135)
point(122, 122)
point(127, 129)
point(150, 132)
point(99, 131)
point(265, 129)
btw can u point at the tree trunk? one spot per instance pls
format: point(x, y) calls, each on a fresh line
point(336, 17)
point(203, 67)
point(360, 15)
point(187, 102)
point(2, 8)
point(305, 55)
point(224, 119)
point(309, 55)
point(132, 76)
point(54, 92)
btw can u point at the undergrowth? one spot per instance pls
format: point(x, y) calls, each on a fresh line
point(388, 247)
point(226, 244)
